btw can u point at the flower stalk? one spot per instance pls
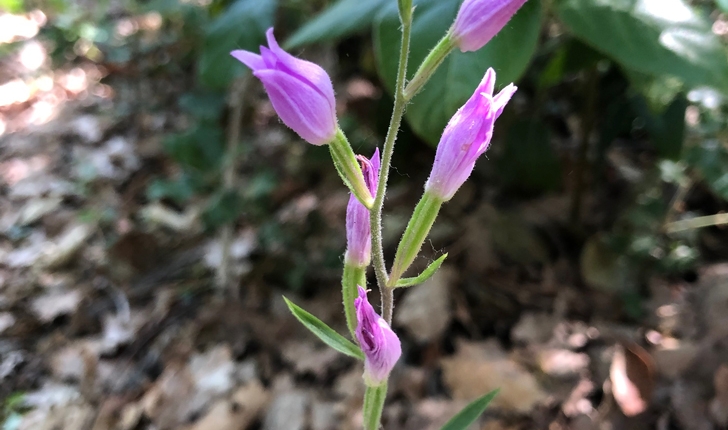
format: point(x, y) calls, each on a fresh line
point(429, 65)
point(374, 405)
point(395, 121)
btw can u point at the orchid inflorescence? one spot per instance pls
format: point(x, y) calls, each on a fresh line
point(302, 95)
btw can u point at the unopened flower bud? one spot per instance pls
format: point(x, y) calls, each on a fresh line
point(301, 92)
point(358, 231)
point(479, 20)
point(466, 138)
point(380, 344)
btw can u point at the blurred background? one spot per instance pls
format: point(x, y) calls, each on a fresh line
point(154, 211)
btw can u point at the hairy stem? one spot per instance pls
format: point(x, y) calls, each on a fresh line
point(373, 406)
point(376, 212)
point(433, 60)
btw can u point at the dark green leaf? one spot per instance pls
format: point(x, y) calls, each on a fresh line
point(663, 37)
point(224, 208)
point(667, 129)
point(180, 190)
point(203, 105)
point(571, 57)
point(710, 158)
point(324, 332)
point(338, 20)
point(470, 413)
point(200, 149)
point(508, 53)
point(529, 163)
point(425, 275)
point(241, 26)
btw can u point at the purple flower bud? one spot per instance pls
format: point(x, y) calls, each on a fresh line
point(300, 91)
point(479, 20)
point(466, 137)
point(358, 231)
point(379, 343)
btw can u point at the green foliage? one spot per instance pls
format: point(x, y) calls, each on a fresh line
point(224, 208)
point(710, 160)
point(722, 5)
point(656, 38)
point(341, 19)
point(240, 26)
point(470, 413)
point(509, 53)
point(11, 6)
point(324, 332)
point(425, 275)
point(199, 150)
point(12, 409)
point(529, 163)
point(667, 129)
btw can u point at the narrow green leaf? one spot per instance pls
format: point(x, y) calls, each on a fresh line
point(341, 19)
point(470, 413)
point(324, 332)
point(425, 275)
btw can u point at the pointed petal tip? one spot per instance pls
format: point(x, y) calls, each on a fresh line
point(253, 61)
point(487, 85)
point(272, 42)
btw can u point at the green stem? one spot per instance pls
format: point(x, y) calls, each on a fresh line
point(351, 278)
point(349, 169)
point(414, 235)
point(433, 60)
point(376, 212)
point(373, 406)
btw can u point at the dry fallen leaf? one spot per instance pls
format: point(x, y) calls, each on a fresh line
point(719, 404)
point(56, 303)
point(534, 328)
point(633, 378)
point(237, 413)
point(480, 367)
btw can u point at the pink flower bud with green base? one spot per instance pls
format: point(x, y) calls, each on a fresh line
point(358, 231)
point(380, 345)
point(466, 137)
point(300, 91)
point(479, 20)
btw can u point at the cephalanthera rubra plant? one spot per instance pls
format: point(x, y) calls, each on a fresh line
point(303, 96)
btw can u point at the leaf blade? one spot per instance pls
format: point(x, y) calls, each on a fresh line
point(324, 332)
point(422, 277)
point(657, 38)
point(470, 413)
point(341, 19)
